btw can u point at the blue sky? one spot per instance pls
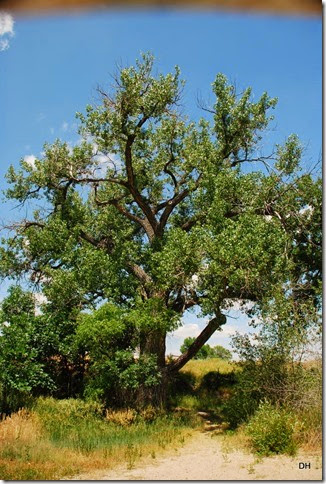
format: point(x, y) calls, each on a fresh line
point(54, 64)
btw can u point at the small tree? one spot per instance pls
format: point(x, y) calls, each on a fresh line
point(21, 371)
point(38, 352)
point(206, 351)
point(158, 214)
point(221, 352)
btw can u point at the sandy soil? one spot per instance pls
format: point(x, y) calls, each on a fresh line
point(203, 458)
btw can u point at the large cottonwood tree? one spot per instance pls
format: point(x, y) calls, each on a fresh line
point(158, 214)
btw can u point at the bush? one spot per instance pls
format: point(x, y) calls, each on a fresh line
point(213, 380)
point(272, 430)
point(181, 384)
point(245, 397)
point(274, 367)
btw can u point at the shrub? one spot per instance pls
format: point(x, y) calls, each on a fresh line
point(182, 384)
point(244, 401)
point(272, 430)
point(213, 380)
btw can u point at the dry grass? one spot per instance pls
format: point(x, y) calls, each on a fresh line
point(232, 441)
point(31, 448)
point(199, 368)
point(26, 454)
point(310, 436)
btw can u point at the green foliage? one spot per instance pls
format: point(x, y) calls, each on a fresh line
point(154, 214)
point(272, 430)
point(213, 380)
point(21, 370)
point(109, 336)
point(206, 351)
point(115, 380)
point(238, 121)
point(273, 360)
point(103, 331)
point(153, 313)
point(37, 352)
point(222, 353)
point(245, 398)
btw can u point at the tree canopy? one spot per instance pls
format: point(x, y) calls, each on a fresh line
point(155, 213)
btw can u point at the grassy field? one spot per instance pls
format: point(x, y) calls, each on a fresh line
point(203, 385)
point(200, 368)
point(61, 438)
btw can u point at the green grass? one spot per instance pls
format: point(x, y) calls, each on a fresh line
point(75, 425)
point(200, 368)
point(203, 385)
point(61, 438)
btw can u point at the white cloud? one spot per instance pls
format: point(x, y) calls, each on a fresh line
point(6, 30)
point(6, 24)
point(65, 126)
point(237, 305)
point(101, 159)
point(229, 330)
point(30, 160)
point(187, 330)
point(39, 299)
point(4, 44)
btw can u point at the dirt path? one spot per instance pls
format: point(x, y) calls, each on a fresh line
point(203, 458)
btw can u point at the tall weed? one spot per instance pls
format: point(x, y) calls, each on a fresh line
point(66, 437)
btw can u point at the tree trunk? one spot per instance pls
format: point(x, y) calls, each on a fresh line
point(201, 339)
point(153, 344)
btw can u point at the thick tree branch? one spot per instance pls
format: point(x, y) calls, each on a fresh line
point(123, 183)
point(186, 226)
point(193, 349)
point(89, 238)
point(185, 300)
point(143, 222)
point(139, 272)
point(169, 172)
point(172, 203)
point(103, 243)
point(115, 202)
point(131, 185)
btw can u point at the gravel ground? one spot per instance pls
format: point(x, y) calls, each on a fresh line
point(203, 458)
